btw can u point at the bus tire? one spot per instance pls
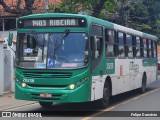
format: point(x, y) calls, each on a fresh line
point(103, 103)
point(144, 81)
point(46, 104)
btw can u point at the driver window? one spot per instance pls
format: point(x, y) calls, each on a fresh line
point(96, 39)
point(97, 45)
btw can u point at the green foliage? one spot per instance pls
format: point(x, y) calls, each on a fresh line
point(70, 6)
point(137, 14)
point(109, 6)
point(145, 27)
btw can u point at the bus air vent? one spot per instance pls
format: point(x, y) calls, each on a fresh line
point(47, 74)
point(47, 86)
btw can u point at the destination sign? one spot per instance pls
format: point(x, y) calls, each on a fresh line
point(62, 22)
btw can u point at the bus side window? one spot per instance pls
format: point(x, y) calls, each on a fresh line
point(154, 49)
point(149, 49)
point(110, 43)
point(92, 46)
point(129, 45)
point(121, 50)
point(98, 47)
point(145, 47)
point(138, 49)
point(96, 41)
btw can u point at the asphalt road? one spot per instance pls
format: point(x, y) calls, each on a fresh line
point(132, 104)
point(130, 101)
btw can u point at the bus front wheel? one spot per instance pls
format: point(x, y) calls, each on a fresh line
point(106, 96)
point(46, 104)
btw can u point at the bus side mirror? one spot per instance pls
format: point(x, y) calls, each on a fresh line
point(10, 38)
point(93, 47)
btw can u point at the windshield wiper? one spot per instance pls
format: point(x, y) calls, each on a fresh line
point(58, 44)
point(66, 33)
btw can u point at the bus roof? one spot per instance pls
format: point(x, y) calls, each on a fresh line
point(117, 27)
point(94, 20)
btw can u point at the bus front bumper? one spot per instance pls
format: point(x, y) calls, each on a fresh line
point(79, 94)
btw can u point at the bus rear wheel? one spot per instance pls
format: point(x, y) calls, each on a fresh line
point(103, 103)
point(144, 81)
point(46, 104)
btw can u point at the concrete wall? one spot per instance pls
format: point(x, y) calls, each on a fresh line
point(1, 68)
point(7, 71)
point(9, 80)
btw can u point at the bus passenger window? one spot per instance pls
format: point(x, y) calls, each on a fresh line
point(149, 48)
point(121, 50)
point(154, 49)
point(110, 43)
point(129, 43)
point(144, 47)
point(138, 45)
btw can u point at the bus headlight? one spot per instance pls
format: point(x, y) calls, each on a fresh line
point(77, 84)
point(72, 86)
point(23, 84)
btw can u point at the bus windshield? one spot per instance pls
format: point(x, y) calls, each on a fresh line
point(52, 50)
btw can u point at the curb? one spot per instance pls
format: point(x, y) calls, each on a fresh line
point(6, 93)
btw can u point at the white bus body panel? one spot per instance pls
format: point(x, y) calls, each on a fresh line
point(124, 79)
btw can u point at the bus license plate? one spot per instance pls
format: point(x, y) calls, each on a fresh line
point(46, 95)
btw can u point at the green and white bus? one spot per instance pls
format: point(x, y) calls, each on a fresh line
point(66, 58)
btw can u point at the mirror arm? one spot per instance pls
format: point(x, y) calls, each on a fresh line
point(12, 49)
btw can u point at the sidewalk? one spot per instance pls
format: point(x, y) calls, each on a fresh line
point(8, 101)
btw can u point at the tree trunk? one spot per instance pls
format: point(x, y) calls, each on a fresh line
point(97, 9)
point(17, 10)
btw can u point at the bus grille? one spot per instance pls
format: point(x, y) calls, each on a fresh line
point(47, 74)
point(47, 86)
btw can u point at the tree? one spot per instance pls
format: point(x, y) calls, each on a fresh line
point(70, 6)
point(143, 15)
point(98, 7)
point(18, 9)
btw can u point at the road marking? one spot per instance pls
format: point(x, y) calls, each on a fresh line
point(135, 98)
point(96, 114)
point(125, 102)
point(149, 92)
point(113, 107)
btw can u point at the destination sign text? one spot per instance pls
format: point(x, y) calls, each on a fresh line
point(52, 22)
